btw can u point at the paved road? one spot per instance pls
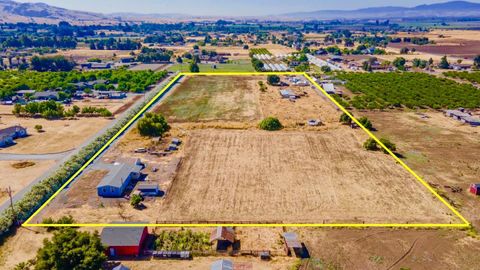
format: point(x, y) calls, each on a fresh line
point(66, 157)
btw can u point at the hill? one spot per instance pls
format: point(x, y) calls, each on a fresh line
point(11, 11)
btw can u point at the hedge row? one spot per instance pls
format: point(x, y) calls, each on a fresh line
point(40, 192)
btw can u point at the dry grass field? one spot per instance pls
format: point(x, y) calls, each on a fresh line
point(58, 135)
point(18, 178)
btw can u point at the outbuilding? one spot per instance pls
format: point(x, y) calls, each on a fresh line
point(475, 189)
point(124, 241)
point(148, 189)
point(8, 135)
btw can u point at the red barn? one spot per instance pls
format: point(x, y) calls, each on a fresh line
point(124, 241)
point(475, 189)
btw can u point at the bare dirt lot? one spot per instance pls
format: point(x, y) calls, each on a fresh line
point(444, 151)
point(18, 178)
point(306, 177)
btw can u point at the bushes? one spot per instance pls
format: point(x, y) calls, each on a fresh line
point(270, 124)
point(182, 240)
point(371, 145)
point(273, 79)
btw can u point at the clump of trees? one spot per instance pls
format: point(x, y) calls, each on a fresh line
point(95, 111)
point(54, 110)
point(53, 63)
point(372, 145)
point(257, 64)
point(135, 200)
point(444, 64)
point(366, 122)
point(71, 249)
point(153, 125)
point(270, 124)
point(114, 44)
point(345, 119)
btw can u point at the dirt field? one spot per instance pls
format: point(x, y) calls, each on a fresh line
point(442, 150)
point(303, 177)
point(58, 135)
point(17, 179)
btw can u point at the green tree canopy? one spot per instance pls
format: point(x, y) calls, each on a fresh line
point(273, 79)
point(71, 249)
point(153, 125)
point(270, 124)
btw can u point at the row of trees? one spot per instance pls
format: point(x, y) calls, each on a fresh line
point(114, 44)
point(52, 110)
point(25, 41)
point(53, 63)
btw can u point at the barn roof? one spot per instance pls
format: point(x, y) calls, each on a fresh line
point(121, 236)
point(291, 240)
point(118, 174)
point(222, 265)
point(223, 233)
point(328, 87)
point(10, 131)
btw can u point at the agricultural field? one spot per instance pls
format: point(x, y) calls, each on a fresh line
point(260, 51)
point(232, 66)
point(412, 90)
point(227, 169)
point(473, 77)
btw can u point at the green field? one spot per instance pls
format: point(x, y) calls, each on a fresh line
point(234, 66)
point(207, 98)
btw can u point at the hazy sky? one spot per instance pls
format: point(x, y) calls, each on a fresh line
point(224, 7)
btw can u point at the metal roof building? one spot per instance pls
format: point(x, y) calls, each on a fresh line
point(222, 265)
point(119, 177)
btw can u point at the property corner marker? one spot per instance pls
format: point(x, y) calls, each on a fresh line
point(465, 223)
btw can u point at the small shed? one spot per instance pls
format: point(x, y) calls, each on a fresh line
point(286, 93)
point(172, 147)
point(124, 241)
point(293, 246)
point(475, 189)
point(329, 88)
point(224, 236)
point(148, 189)
point(222, 265)
point(472, 121)
point(176, 141)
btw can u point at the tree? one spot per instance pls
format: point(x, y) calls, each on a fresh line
point(179, 60)
point(153, 125)
point(345, 119)
point(370, 144)
point(194, 67)
point(399, 63)
point(404, 50)
point(273, 79)
point(270, 124)
point(325, 69)
point(38, 128)
point(135, 200)
point(388, 144)
point(366, 123)
point(444, 63)
point(71, 249)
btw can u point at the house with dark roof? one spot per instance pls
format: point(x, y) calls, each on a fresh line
point(46, 95)
point(119, 177)
point(124, 241)
point(8, 135)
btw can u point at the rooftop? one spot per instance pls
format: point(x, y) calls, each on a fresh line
point(121, 236)
point(118, 174)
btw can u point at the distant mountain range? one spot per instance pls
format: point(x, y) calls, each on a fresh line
point(11, 11)
point(448, 9)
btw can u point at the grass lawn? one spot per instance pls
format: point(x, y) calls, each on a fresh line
point(234, 66)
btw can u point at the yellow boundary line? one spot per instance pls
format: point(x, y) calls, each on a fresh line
point(465, 223)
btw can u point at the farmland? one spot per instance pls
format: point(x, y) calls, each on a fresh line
point(232, 66)
point(412, 90)
point(468, 76)
point(226, 175)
